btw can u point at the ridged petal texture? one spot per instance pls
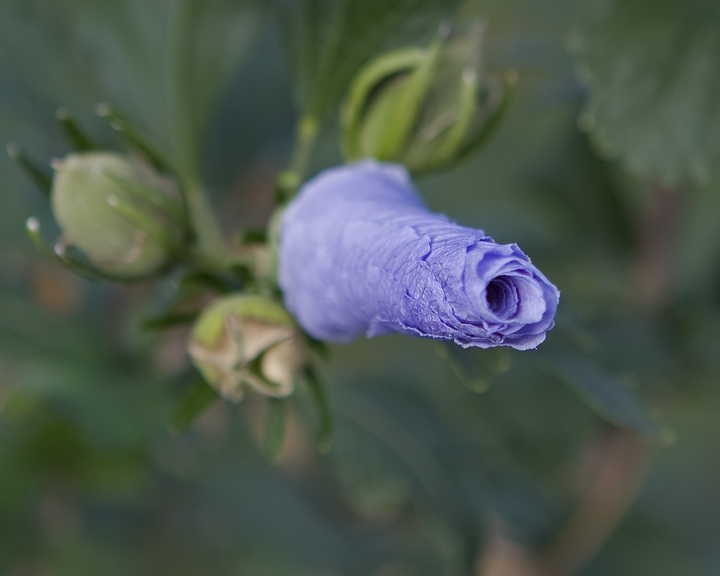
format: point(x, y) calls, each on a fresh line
point(360, 253)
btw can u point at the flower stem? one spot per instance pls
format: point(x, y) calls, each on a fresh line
point(289, 181)
point(203, 220)
point(211, 248)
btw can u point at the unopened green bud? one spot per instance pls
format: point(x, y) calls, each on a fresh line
point(422, 107)
point(122, 214)
point(246, 340)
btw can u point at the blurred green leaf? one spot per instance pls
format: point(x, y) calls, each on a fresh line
point(176, 59)
point(607, 396)
point(198, 398)
point(372, 479)
point(698, 270)
point(24, 323)
point(653, 71)
point(328, 40)
point(405, 433)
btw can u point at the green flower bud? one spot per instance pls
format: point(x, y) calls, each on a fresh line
point(246, 340)
point(426, 108)
point(122, 214)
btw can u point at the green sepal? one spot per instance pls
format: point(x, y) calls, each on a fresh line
point(133, 136)
point(509, 84)
point(356, 105)
point(391, 119)
point(145, 222)
point(456, 134)
point(470, 131)
point(65, 258)
point(426, 108)
point(77, 138)
point(153, 195)
point(319, 396)
point(37, 175)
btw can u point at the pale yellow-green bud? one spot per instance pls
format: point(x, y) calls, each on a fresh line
point(246, 340)
point(121, 213)
point(426, 108)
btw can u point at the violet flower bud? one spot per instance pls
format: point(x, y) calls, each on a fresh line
point(361, 253)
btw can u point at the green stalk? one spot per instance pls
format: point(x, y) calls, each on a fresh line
point(208, 234)
point(306, 133)
point(289, 182)
point(211, 246)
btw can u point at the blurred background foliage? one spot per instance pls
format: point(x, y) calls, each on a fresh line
point(595, 454)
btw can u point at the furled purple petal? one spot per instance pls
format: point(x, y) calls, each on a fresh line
point(360, 253)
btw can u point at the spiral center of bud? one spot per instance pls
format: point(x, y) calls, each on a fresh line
point(502, 297)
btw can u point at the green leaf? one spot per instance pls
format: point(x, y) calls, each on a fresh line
point(652, 69)
point(605, 395)
point(327, 41)
point(698, 270)
point(453, 525)
point(198, 398)
point(177, 57)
